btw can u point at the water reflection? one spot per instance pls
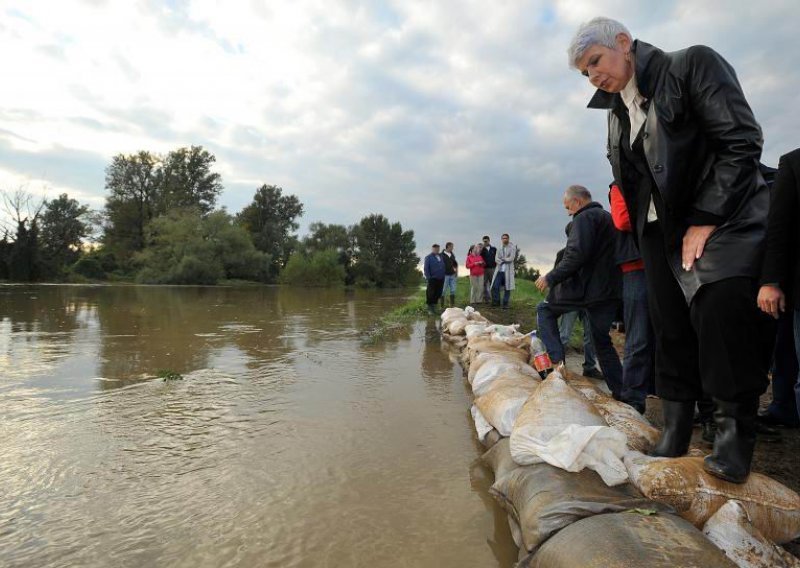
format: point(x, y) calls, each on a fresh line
point(289, 442)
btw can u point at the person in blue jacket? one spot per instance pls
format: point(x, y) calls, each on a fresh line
point(434, 272)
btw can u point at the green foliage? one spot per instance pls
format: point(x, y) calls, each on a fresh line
point(169, 375)
point(187, 180)
point(384, 253)
point(270, 220)
point(184, 247)
point(89, 267)
point(319, 269)
point(63, 229)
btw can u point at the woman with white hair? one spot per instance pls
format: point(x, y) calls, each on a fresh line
point(685, 147)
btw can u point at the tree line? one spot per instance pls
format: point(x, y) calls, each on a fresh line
point(161, 225)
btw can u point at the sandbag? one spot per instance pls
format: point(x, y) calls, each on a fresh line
point(731, 530)
point(696, 495)
point(503, 401)
point(559, 426)
point(474, 315)
point(499, 460)
point(628, 540)
point(482, 345)
point(491, 372)
point(544, 499)
point(482, 427)
point(452, 313)
point(457, 326)
point(482, 359)
point(492, 438)
point(475, 330)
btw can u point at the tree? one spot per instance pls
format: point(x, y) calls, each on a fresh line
point(187, 180)
point(63, 228)
point(133, 182)
point(384, 254)
point(22, 260)
point(186, 247)
point(271, 219)
point(520, 262)
point(322, 268)
point(337, 238)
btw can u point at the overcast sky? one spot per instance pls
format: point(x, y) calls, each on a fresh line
point(456, 118)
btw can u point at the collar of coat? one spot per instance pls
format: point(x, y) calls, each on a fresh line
point(649, 61)
point(590, 205)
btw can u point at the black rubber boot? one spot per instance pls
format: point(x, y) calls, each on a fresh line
point(709, 431)
point(735, 441)
point(452, 300)
point(677, 432)
point(432, 309)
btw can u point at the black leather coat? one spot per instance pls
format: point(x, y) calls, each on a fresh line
point(702, 145)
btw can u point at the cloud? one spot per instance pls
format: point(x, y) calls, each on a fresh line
point(456, 118)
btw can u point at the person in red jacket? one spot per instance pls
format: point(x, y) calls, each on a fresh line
point(476, 265)
point(638, 362)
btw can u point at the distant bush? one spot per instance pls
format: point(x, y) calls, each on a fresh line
point(319, 269)
point(90, 267)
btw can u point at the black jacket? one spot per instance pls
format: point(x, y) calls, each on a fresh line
point(702, 145)
point(489, 255)
point(450, 264)
point(587, 273)
point(781, 262)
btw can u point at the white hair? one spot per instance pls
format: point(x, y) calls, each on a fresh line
point(597, 31)
point(578, 192)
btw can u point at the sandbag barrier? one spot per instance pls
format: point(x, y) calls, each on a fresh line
point(571, 471)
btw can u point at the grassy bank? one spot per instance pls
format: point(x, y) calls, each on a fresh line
point(522, 310)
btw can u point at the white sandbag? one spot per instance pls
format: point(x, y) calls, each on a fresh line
point(503, 330)
point(482, 359)
point(696, 495)
point(501, 404)
point(482, 427)
point(451, 314)
point(731, 529)
point(457, 326)
point(479, 345)
point(559, 426)
point(494, 370)
point(474, 315)
point(475, 330)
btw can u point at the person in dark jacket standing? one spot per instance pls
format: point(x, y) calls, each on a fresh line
point(684, 147)
point(434, 272)
point(450, 274)
point(780, 290)
point(489, 254)
point(587, 278)
point(637, 364)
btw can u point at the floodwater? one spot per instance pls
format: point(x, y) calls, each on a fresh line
point(290, 441)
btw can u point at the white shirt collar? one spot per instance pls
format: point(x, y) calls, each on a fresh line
point(630, 94)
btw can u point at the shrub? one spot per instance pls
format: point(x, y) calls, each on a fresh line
point(320, 269)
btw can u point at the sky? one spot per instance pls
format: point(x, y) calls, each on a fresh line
point(456, 118)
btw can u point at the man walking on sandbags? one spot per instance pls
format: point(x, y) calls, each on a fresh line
point(434, 272)
point(504, 273)
point(587, 278)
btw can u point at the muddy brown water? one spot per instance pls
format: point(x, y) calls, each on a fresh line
point(289, 442)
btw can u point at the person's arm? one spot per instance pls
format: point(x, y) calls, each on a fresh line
point(783, 213)
point(470, 263)
point(733, 135)
point(576, 253)
point(619, 211)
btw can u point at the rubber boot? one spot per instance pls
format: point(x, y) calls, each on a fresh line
point(452, 300)
point(441, 302)
point(432, 309)
point(677, 432)
point(709, 431)
point(735, 440)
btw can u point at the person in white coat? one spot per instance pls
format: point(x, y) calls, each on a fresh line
point(504, 273)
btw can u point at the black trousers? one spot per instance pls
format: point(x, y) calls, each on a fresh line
point(434, 290)
point(720, 345)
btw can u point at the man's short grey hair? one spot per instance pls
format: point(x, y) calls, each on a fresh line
point(597, 31)
point(578, 192)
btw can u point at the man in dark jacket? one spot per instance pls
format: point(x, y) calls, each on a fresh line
point(489, 255)
point(450, 274)
point(685, 148)
point(780, 289)
point(433, 269)
point(586, 278)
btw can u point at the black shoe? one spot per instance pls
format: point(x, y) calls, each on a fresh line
point(593, 373)
point(735, 441)
point(677, 432)
point(505, 307)
point(709, 431)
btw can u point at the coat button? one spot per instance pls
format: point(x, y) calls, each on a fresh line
point(645, 134)
point(658, 168)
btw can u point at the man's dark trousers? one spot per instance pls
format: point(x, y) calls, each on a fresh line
point(783, 407)
point(638, 364)
point(600, 316)
point(720, 345)
point(500, 280)
point(434, 290)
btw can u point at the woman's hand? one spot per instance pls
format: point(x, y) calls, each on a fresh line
point(771, 300)
point(694, 241)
